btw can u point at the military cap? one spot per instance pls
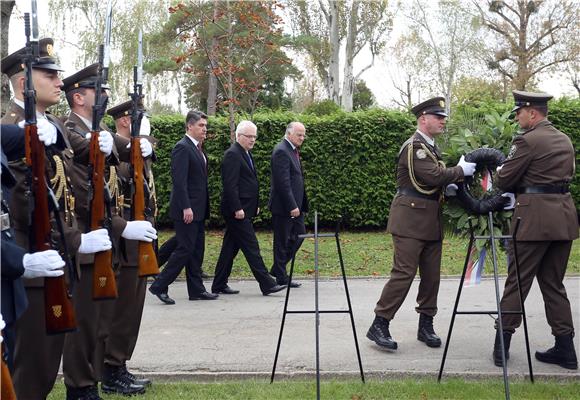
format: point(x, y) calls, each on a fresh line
point(85, 78)
point(12, 63)
point(120, 110)
point(435, 106)
point(528, 99)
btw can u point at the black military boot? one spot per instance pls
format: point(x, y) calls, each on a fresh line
point(133, 378)
point(379, 333)
point(426, 333)
point(84, 393)
point(507, 338)
point(115, 381)
point(563, 353)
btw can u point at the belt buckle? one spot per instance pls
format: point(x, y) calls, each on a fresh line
point(5, 221)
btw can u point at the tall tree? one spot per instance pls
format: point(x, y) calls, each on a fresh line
point(6, 10)
point(445, 40)
point(238, 43)
point(532, 36)
point(322, 28)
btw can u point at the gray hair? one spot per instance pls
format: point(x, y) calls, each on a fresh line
point(290, 127)
point(243, 126)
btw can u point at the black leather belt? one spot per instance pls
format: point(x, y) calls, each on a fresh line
point(544, 189)
point(413, 193)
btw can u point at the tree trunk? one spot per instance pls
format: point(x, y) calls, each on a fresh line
point(348, 78)
point(212, 85)
point(6, 9)
point(333, 69)
point(178, 88)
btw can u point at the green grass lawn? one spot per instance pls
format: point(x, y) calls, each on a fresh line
point(364, 253)
point(423, 389)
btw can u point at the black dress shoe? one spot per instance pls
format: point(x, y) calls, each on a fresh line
point(226, 290)
point(164, 297)
point(274, 289)
point(294, 284)
point(205, 296)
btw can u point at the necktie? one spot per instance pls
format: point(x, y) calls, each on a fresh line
point(297, 154)
point(202, 155)
point(250, 163)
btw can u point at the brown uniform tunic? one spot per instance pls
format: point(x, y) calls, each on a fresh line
point(541, 156)
point(415, 225)
point(37, 354)
point(79, 366)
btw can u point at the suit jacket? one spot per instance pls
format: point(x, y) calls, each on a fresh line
point(59, 154)
point(541, 156)
point(14, 299)
point(417, 217)
point(287, 182)
point(189, 181)
point(240, 183)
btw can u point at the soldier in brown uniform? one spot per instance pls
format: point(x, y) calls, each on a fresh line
point(128, 309)
point(81, 349)
point(538, 170)
point(37, 354)
point(415, 225)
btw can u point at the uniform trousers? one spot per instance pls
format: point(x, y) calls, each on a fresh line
point(82, 358)
point(408, 255)
point(286, 243)
point(36, 354)
point(547, 261)
point(240, 235)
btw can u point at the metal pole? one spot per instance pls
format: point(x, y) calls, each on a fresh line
point(317, 314)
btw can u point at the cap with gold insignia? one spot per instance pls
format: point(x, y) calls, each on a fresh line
point(120, 110)
point(85, 78)
point(435, 106)
point(12, 63)
point(529, 99)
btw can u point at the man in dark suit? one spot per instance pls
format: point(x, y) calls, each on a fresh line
point(288, 201)
point(189, 208)
point(539, 169)
point(240, 199)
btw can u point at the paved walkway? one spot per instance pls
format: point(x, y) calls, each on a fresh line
point(236, 335)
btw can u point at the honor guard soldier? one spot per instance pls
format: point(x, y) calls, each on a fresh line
point(35, 350)
point(128, 310)
point(416, 227)
point(82, 348)
point(538, 170)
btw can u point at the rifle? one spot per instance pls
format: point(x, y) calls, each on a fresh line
point(58, 307)
point(147, 260)
point(104, 284)
point(7, 390)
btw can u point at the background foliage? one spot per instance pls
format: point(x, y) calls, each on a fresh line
point(348, 158)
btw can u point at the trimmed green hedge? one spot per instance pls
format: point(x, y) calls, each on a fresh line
point(348, 159)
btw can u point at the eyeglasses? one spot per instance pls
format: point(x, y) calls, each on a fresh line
point(251, 137)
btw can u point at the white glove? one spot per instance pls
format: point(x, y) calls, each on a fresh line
point(499, 168)
point(467, 167)
point(47, 132)
point(451, 190)
point(46, 263)
point(511, 205)
point(146, 147)
point(2, 326)
point(145, 129)
point(95, 241)
point(139, 230)
point(105, 142)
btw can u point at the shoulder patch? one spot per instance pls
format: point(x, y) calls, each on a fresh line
point(512, 151)
point(421, 154)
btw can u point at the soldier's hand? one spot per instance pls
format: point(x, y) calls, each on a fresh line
point(46, 263)
point(499, 168)
point(95, 241)
point(451, 190)
point(47, 132)
point(467, 167)
point(509, 205)
point(140, 230)
point(105, 142)
point(146, 147)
